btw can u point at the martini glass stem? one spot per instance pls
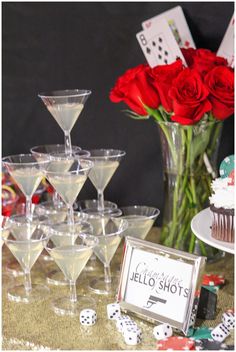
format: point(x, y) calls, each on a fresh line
point(28, 208)
point(56, 199)
point(73, 295)
point(27, 283)
point(100, 200)
point(107, 274)
point(68, 147)
point(71, 215)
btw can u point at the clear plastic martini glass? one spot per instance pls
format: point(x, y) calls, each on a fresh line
point(27, 172)
point(71, 256)
point(56, 277)
point(69, 182)
point(26, 251)
point(43, 152)
point(140, 219)
point(108, 241)
point(65, 106)
point(106, 161)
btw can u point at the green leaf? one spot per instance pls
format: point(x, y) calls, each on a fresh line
point(200, 143)
point(135, 116)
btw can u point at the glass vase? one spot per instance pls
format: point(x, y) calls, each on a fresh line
point(189, 164)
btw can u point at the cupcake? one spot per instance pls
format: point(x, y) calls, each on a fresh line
point(222, 208)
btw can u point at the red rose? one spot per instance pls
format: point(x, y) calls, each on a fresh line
point(163, 77)
point(220, 83)
point(190, 97)
point(135, 89)
point(189, 55)
point(205, 60)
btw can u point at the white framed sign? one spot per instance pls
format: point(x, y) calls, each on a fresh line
point(160, 284)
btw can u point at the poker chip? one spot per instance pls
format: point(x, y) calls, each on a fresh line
point(213, 280)
point(202, 332)
point(190, 332)
point(174, 343)
point(226, 166)
point(210, 345)
point(213, 289)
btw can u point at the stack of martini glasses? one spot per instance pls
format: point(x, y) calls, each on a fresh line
point(70, 234)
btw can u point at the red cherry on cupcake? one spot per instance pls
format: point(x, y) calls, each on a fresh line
point(231, 178)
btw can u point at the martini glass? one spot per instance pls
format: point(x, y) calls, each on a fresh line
point(81, 205)
point(43, 152)
point(27, 172)
point(140, 219)
point(6, 279)
point(21, 230)
point(65, 106)
point(56, 277)
point(98, 220)
point(26, 251)
point(106, 161)
point(69, 182)
point(108, 241)
point(71, 255)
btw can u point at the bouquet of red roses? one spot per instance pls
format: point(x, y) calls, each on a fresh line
point(189, 105)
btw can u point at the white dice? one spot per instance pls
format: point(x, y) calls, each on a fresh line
point(133, 336)
point(88, 317)
point(120, 320)
point(228, 320)
point(128, 324)
point(162, 331)
point(113, 311)
point(220, 332)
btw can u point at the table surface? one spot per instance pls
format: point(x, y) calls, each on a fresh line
point(36, 326)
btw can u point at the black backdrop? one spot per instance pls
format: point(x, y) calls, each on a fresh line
point(62, 45)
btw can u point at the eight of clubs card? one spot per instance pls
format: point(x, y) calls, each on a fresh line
point(159, 45)
point(226, 48)
point(178, 25)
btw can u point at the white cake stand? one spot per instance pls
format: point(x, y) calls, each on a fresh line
point(200, 225)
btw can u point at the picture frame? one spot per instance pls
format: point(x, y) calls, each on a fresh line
point(160, 284)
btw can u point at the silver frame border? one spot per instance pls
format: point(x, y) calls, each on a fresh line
point(197, 262)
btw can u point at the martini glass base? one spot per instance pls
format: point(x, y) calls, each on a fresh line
point(100, 287)
point(18, 293)
point(57, 278)
point(64, 306)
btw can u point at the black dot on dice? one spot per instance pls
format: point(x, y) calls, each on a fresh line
point(159, 56)
point(160, 48)
point(117, 311)
point(165, 61)
point(160, 39)
point(168, 326)
point(130, 338)
point(165, 333)
point(157, 333)
point(166, 53)
point(87, 322)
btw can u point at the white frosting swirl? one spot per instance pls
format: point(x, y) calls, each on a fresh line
point(223, 194)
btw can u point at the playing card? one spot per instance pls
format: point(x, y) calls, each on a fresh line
point(178, 25)
point(159, 45)
point(226, 48)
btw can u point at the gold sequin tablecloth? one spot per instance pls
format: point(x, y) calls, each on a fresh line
point(36, 327)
